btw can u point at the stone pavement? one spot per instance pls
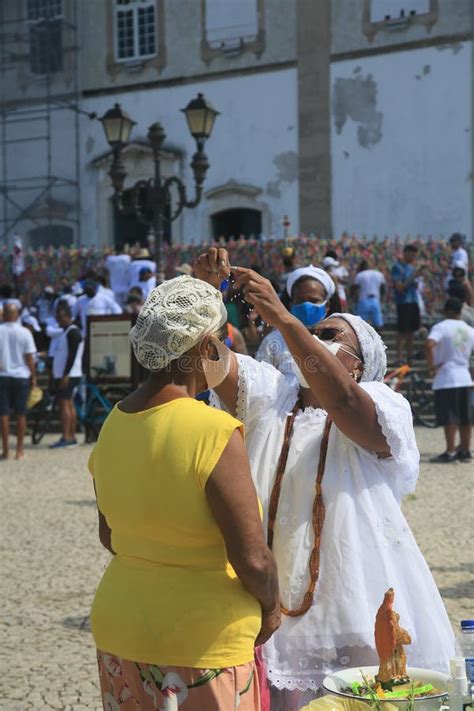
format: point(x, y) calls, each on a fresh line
point(51, 562)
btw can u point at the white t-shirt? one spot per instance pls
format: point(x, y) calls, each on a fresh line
point(134, 269)
point(460, 259)
point(99, 305)
point(454, 345)
point(61, 353)
point(146, 286)
point(117, 266)
point(15, 342)
point(369, 282)
point(108, 292)
point(340, 272)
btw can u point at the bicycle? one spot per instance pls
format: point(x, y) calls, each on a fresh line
point(92, 405)
point(418, 393)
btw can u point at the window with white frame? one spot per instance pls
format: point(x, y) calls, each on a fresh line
point(135, 30)
point(381, 10)
point(230, 23)
point(45, 20)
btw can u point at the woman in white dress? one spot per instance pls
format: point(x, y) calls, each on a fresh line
point(331, 494)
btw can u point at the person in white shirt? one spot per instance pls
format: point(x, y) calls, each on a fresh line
point(146, 282)
point(340, 275)
point(459, 257)
point(17, 374)
point(309, 291)
point(448, 350)
point(94, 303)
point(140, 261)
point(104, 288)
point(117, 266)
point(45, 305)
point(369, 290)
point(67, 373)
point(65, 295)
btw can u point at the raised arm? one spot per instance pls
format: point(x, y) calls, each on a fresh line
point(232, 499)
point(347, 404)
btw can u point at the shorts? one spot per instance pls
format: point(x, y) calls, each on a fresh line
point(453, 406)
point(408, 318)
point(66, 393)
point(370, 310)
point(14, 395)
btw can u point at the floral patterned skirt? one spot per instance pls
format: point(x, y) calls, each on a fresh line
point(128, 686)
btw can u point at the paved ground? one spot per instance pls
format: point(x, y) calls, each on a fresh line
point(51, 562)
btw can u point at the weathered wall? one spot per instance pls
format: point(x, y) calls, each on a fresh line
point(254, 143)
point(401, 142)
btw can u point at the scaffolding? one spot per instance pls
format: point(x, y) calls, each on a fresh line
point(41, 193)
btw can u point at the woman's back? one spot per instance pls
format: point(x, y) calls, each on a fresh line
point(169, 595)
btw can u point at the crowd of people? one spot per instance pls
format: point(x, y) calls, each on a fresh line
point(57, 322)
point(201, 602)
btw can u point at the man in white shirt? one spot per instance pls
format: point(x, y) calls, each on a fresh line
point(140, 261)
point(459, 257)
point(146, 282)
point(340, 275)
point(369, 290)
point(94, 302)
point(117, 266)
point(17, 374)
point(448, 350)
point(67, 373)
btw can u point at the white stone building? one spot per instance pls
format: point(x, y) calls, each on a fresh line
point(349, 115)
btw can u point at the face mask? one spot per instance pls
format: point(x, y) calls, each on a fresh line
point(309, 314)
point(334, 347)
point(216, 371)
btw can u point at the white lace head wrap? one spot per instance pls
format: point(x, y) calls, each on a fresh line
point(371, 345)
point(174, 318)
point(314, 273)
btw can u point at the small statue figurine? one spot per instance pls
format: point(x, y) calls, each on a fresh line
point(389, 638)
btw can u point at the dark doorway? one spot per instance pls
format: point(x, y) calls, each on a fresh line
point(129, 230)
point(236, 222)
point(51, 236)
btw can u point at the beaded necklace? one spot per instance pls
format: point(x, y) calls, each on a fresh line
point(318, 509)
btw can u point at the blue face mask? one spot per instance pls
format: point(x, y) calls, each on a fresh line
point(308, 313)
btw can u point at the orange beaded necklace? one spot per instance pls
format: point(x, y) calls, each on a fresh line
point(318, 509)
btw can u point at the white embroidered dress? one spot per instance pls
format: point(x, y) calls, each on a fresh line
point(366, 544)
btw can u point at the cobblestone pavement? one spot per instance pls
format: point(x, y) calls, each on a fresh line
point(51, 562)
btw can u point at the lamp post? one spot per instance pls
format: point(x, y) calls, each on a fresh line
point(150, 198)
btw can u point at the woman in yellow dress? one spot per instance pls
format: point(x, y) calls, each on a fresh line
point(192, 587)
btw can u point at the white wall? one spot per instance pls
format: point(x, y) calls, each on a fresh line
point(401, 143)
point(254, 143)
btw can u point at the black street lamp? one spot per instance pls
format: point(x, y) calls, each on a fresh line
point(150, 198)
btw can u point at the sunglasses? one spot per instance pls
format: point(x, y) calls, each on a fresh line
point(333, 333)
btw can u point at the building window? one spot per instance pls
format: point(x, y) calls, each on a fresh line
point(231, 24)
point(51, 236)
point(135, 29)
point(385, 10)
point(396, 15)
point(236, 222)
point(45, 18)
point(231, 27)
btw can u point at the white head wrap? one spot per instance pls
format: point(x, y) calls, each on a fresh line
point(315, 273)
point(330, 262)
point(371, 346)
point(174, 317)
